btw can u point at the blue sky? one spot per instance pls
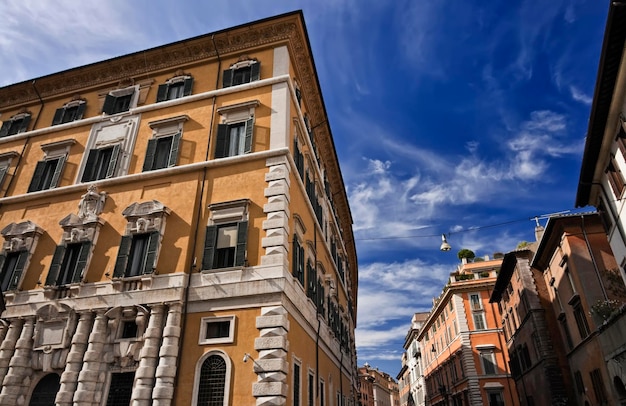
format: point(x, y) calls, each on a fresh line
point(459, 117)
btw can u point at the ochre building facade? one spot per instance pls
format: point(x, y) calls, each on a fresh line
point(175, 229)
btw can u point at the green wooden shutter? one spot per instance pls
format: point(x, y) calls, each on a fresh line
point(162, 92)
point(173, 159)
point(36, 180)
point(19, 268)
point(122, 256)
point(150, 152)
point(113, 162)
point(210, 240)
point(81, 263)
point(24, 124)
point(57, 172)
point(90, 166)
point(80, 112)
point(294, 257)
point(187, 86)
point(255, 71)
point(153, 245)
point(109, 104)
point(242, 240)
point(55, 266)
point(249, 130)
point(3, 172)
point(58, 116)
point(221, 146)
point(227, 78)
point(4, 130)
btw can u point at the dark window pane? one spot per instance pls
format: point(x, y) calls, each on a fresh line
point(7, 270)
point(218, 329)
point(242, 75)
point(212, 381)
point(69, 264)
point(15, 126)
point(138, 254)
point(48, 173)
point(122, 103)
point(129, 329)
point(70, 114)
point(120, 389)
point(174, 91)
point(162, 154)
point(102, 163)
point(46, 391)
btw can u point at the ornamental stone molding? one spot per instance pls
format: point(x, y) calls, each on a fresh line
point(146, 217)
point(20, 236)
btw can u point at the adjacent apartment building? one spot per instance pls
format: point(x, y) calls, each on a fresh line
point(602, 180)
point(175, 229)
point(411, 376)
point(377, 388)
point(463, 349)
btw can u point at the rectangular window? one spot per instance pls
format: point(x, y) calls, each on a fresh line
point(175, 88)
point(47, 174)
point(101, 163)
point(475, 301)
point(488, 359)
point(296, 384)
point(119, 103)
point(581, 321)
point(12, 266)
point(298, 261)
point(120, 389)
point(225, 245)
point(495, 398)
point(70, 112)
point(598, 386)
point(311, 389)
point(615, 178)
point(580, 385)
point(162, 152)
point(322, 393)
point(234, 139)
point(68, 264)
point(129, 329)
point(214, 330)
point(566, 332)
point(16, 125)
point(479, 321)
point(237, 75)
point(137, 255)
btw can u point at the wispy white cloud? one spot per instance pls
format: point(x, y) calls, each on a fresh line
point(578, 95)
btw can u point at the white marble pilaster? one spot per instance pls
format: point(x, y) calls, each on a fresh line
point(144, 376)
point(7, 348)
point(92, 372)
point(17, 380)
point(163, 392)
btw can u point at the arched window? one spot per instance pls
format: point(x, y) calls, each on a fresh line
point(45, 391)
point(212, 380)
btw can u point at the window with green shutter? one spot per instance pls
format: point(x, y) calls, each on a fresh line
point(241, 72)
point(162, 152)
point(225, 245)
point(68, 264)
point(47, 174)
point(12, 265)
point(137, 254)
point(71, 111)
point(234, 138)
point(175, 88)
point(101, 163)
point(15, 125)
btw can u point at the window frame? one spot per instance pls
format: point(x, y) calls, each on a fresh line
point(111, 383)
point(251, 65)
point(484, 354)
point(163, 91)
point(15, 125)
point(205, 321)
point(226, 214)
point(110, 106)
point(236, 115)
point(163, 129)
point(60, 269)
point(296, 381)
point(60, 113)
point(18, 267)
point(19, 238)
point(227, 378)
point(94, 165)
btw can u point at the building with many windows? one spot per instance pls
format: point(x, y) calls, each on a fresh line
point(464, 356)
point(377, 388)
point(183, 197)
point(411, 377)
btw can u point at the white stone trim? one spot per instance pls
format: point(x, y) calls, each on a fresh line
point(205, 321)
point(227, 378)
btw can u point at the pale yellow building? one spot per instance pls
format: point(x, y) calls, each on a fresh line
point(176, 229)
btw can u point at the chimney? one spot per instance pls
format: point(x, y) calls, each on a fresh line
point(539, 232)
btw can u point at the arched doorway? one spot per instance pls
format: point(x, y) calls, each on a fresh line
point(45, 391)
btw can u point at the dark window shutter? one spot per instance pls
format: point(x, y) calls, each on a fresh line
point(113, 163)
point(55, 266)
point(249, 131)
point(3, 258)
point(255, 71)
point(122, 256)
point(4, 130)
point(227, 78)
point(34, 183)
point(58, 116)
point(187, 86)
point(294, 257)
point(80, 112)
point(210, 239)
point(221, 147)
point(109, 104)
point(57, 172)
point(174, 151)
point(153, 245)
point(19, 268)
point(3, 172)
point(162, 92)
point(82, 262)
point(242, 240)
point(150, 151)
point(24, 124)
point(90, 166)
